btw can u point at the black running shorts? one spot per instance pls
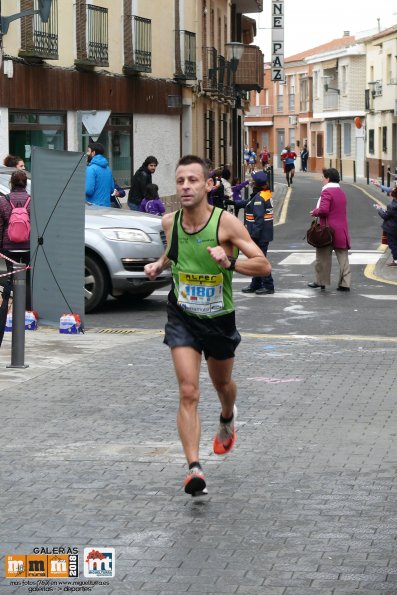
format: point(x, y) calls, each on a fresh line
point(215, 337)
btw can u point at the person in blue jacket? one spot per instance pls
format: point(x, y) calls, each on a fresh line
point(258, 218)
point(99, 182)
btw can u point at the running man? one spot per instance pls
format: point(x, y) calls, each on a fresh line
point(202, 249)
point(288, 157)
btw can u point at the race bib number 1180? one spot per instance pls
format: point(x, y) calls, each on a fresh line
point(200, 294)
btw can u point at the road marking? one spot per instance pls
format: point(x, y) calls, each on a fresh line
point(378, 296)
point(355, 257)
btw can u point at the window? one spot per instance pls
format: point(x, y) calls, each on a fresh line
point(209, 135)
point(371, 141)
point(347, 142)
point(384, 139)
point(316, 81)
point(38, 129)
point(344, 80)
point(330, 138)
point(92, 34)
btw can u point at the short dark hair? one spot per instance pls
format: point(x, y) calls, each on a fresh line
point(18, 179)
point(189, 159)
point(226, 173)
point(12, 160)
point(150, 159)
point(152, 191)
point(97, 147)
point(331, 174)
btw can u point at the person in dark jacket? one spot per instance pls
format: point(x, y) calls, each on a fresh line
point(19, 252)
point(389, 225)
point(99, 183)
point(141, 178)
point(258, 216)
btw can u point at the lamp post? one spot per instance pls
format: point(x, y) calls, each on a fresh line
point(234, 52)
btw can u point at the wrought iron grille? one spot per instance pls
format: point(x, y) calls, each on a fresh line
point(97, 35)
point(187, 63)
point(40, 39)
point(210, 62)
point(140, 57)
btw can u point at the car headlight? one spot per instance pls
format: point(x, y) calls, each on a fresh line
point(123, 234)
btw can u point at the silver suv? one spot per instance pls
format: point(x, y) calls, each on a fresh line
point(118, 244)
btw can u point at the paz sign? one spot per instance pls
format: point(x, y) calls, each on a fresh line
point(278, 40)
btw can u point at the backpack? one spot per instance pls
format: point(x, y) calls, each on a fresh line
point(19, 223)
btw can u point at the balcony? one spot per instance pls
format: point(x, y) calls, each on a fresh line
point(248, 6)
point(331, 101)
point(137, 45)
point(210, 63)
point(39, 41)
point(250, 71)
point(92, 36)
point(258, 111)
point(185, 58)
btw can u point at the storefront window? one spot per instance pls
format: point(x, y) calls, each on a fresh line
point(28, 130)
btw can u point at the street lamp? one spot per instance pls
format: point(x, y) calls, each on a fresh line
point(234, 51)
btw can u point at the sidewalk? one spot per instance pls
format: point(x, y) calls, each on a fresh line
point(305, 505)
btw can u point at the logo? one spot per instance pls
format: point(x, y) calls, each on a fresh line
point(99, 562)
point(42, 566)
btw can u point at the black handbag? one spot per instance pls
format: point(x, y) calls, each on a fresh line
point(318, 235)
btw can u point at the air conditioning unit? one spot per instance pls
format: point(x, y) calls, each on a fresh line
point(292, 120)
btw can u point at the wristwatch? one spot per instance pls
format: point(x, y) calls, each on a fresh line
point(232, 261)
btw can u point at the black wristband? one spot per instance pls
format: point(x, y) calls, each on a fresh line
point(232, 261)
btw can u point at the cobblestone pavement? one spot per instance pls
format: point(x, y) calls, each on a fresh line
point(306, 504)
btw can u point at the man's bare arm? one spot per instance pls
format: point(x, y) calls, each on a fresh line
point(231, 230)
point(154, 269)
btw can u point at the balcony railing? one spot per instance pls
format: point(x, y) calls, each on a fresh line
point(259, 111)
point(331, 101)
point(137, 44)
point(210, 63)
point(39, 39)
point(225, 82)
point(186, 60)
point(92, 35)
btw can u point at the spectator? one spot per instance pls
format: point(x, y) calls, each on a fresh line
point(331, 209)
point(139, 182)
point(14, 161)
point(99, 183)
point(117, 193)
point(152, 203)
point(389, 225)
point(259, 223)
point(19, 252)
point(304, 157)
point(237, 201)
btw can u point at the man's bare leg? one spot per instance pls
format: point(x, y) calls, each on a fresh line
point(187, 363)
point(220, 372)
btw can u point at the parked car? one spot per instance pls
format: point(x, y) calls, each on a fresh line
point(118, 244)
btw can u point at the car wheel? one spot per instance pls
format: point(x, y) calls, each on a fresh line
point(96, 285)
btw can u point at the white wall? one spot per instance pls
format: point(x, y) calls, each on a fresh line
point(158, 136)
point(4, 146)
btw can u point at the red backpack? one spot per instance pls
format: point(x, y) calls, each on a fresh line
point(19, 223)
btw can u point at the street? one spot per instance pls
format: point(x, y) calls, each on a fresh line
point(305, 504)
point(295, 308)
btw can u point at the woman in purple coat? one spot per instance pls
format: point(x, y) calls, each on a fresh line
point(331, 209)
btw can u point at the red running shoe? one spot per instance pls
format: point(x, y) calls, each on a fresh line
point(195, 481)
point(226, 436)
